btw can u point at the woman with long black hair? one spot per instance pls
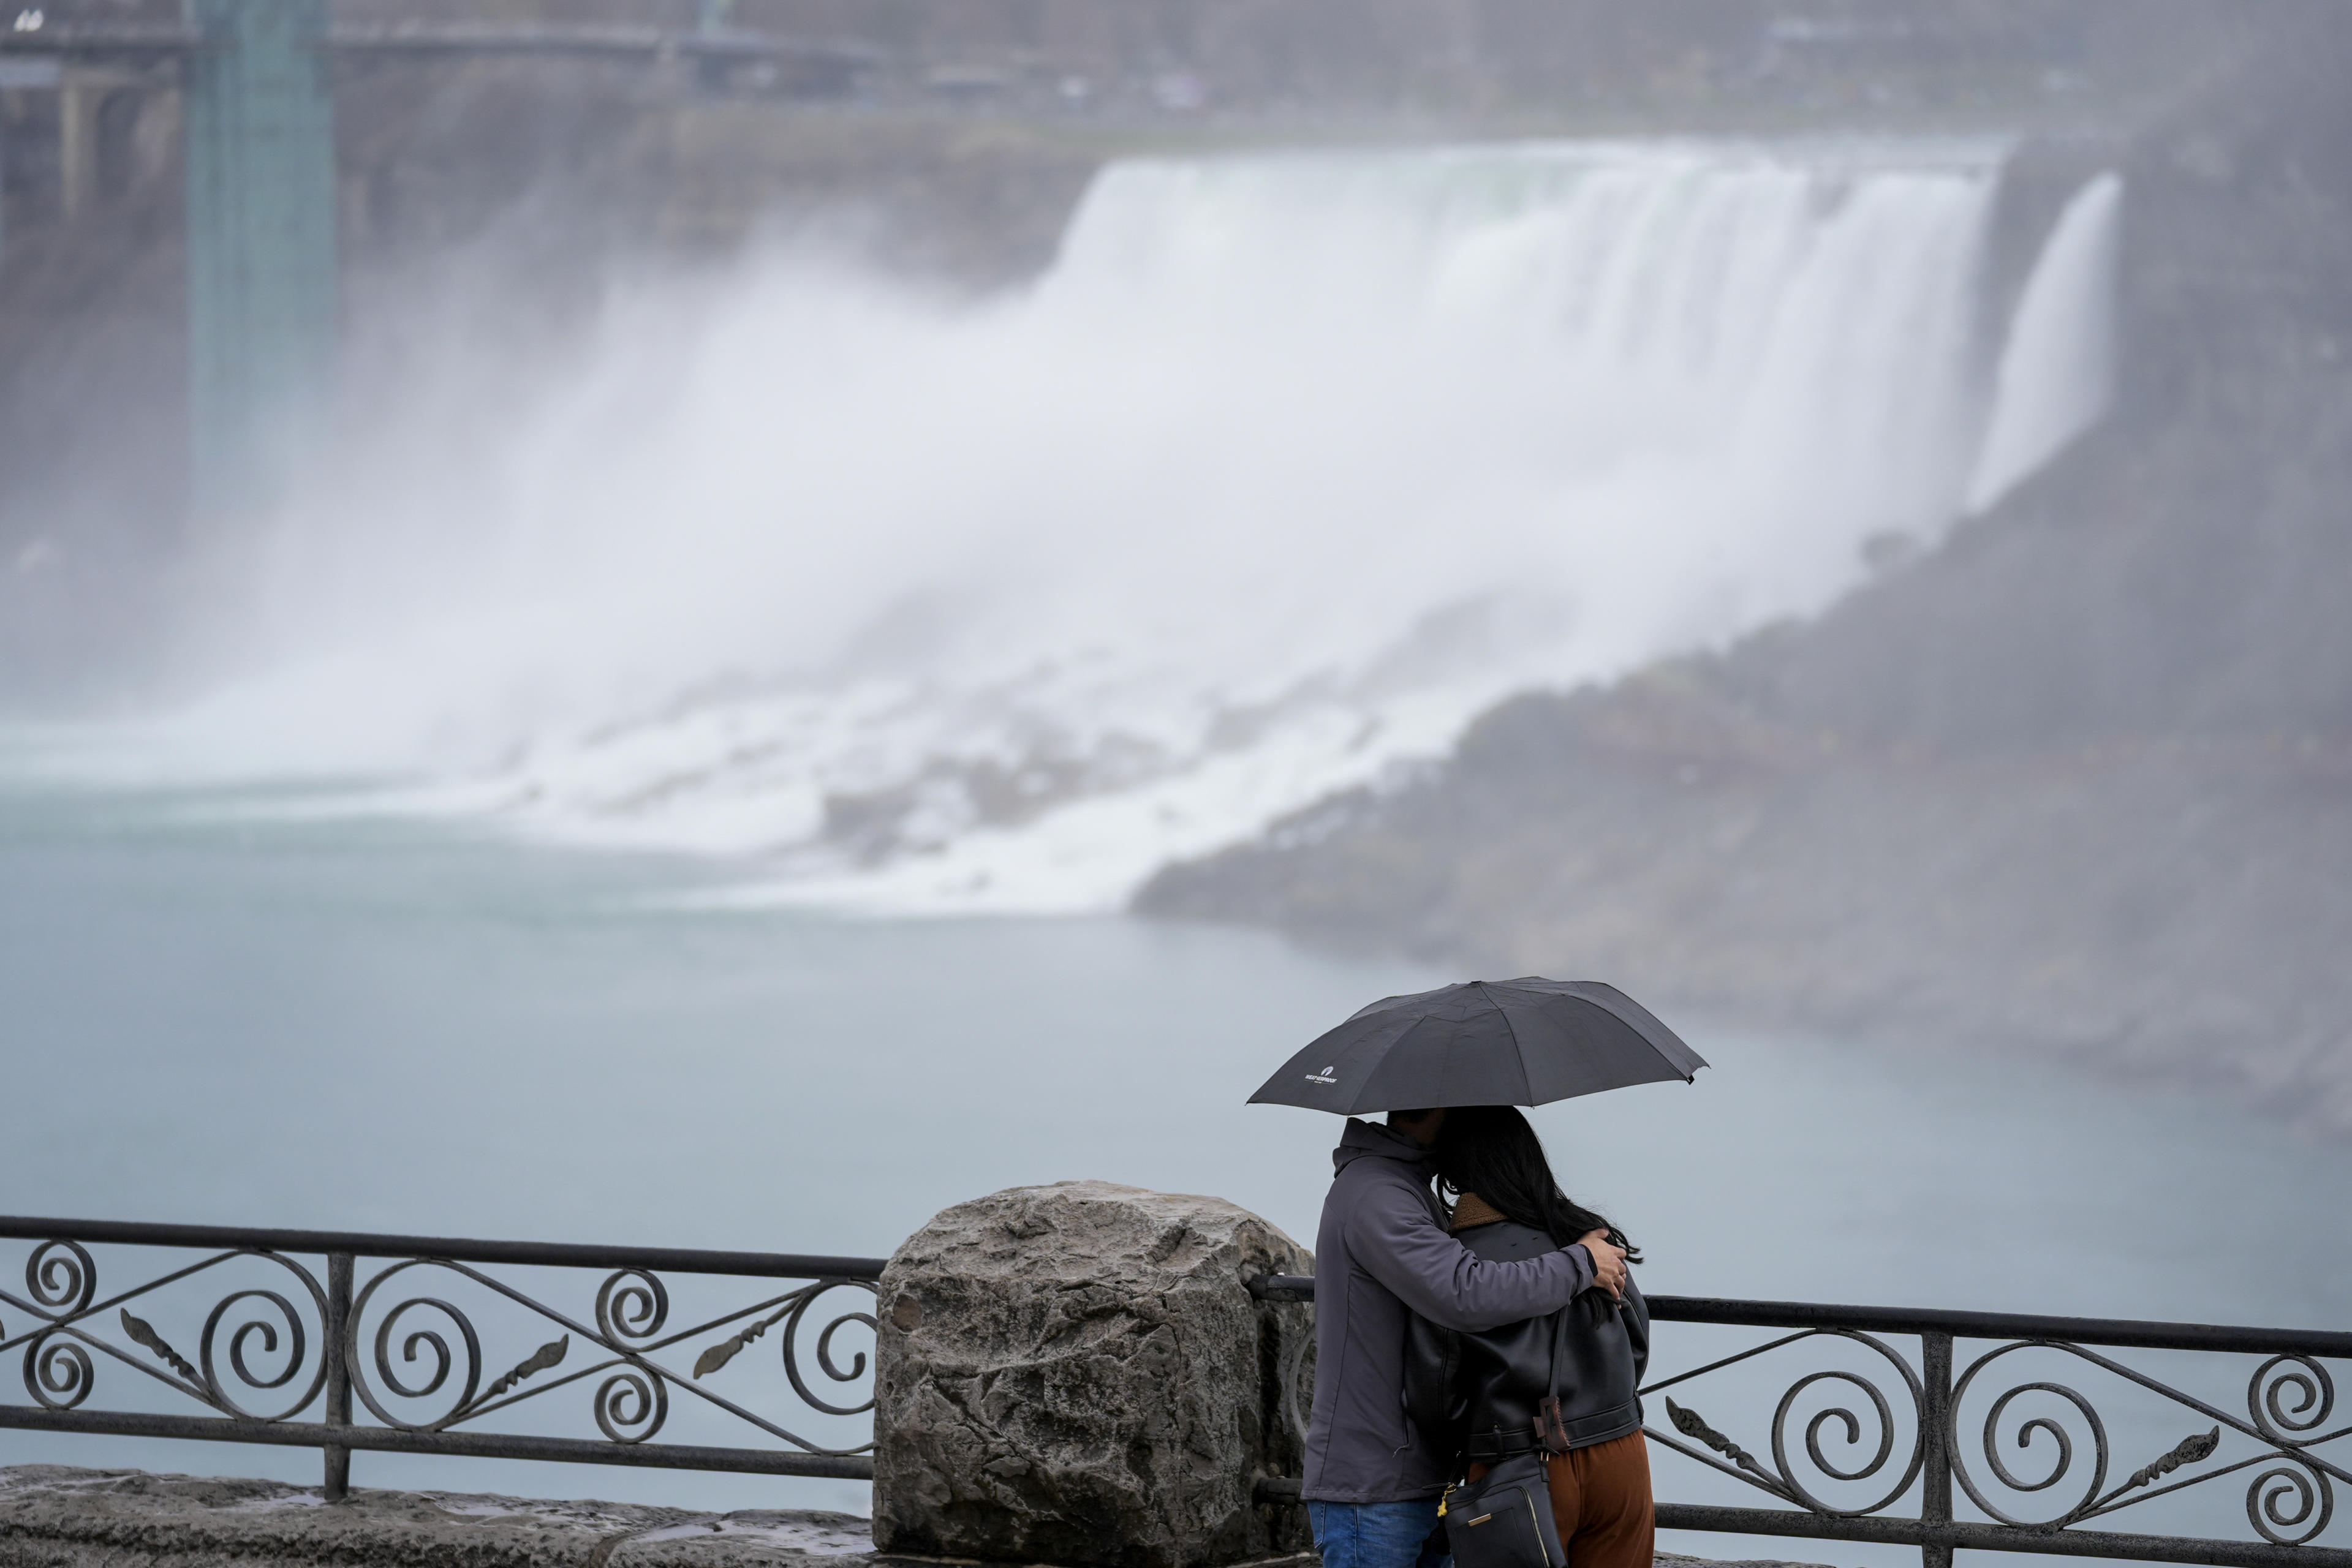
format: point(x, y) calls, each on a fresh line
point(1489, 1397)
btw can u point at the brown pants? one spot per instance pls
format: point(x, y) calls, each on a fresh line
point(1601, 1498)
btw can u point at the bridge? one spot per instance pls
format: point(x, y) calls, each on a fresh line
point(252, 85)
point(255, 81)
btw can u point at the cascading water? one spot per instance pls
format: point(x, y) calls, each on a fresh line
point(2057, 368)
point(1286, 469)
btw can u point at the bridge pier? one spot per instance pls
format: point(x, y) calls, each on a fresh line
point(263, 309)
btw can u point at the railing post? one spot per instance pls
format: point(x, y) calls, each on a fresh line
point(1936, 1448)
point(339, 1378)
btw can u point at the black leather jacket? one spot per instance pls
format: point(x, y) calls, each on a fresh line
point(1475, 1395)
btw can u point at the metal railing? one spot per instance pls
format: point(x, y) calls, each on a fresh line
point(2000, 1359)
point(274, 1333)
point(295, 1324)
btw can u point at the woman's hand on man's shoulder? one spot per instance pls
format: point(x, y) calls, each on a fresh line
point(1608, 1263)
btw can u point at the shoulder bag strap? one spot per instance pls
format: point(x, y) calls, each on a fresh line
point(1551, 1432)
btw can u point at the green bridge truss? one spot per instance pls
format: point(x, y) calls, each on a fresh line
point(263, 316)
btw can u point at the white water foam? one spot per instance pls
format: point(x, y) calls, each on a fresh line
point(1283, 471)
point(2057, 368)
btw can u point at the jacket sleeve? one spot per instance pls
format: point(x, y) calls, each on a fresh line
point(1391, 1234)
point(1637, 1329)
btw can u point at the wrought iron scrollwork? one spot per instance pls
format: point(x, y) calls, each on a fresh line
point(424, 1338)
point(1783, 1479)
point(2289, 1399)
point(2307, 1381)
point(57, 1371)
point(2061, 1461)
point(631, 1304)
point(412, 1343)
point(296, 1349)
point(2033, 1435)
point(2309, 1486)
point(61, 1287)
point(61, 1276)
point(1885, 1427)
point(630, 1400)
point(790, 1350)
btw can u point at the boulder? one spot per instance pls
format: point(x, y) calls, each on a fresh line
point(1077, 1373)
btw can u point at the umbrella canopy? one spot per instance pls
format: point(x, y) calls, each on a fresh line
point(1483, 1042)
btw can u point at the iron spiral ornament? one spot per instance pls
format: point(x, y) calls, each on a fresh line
point(1852, 1430)
point(1883, 1420)
point(419, 1342)
point(2285, 1522)
point(631, 1407)
point(2289, 1398)
point(2026, 1438)
point(57, 1371)
point(632, 1304)
point(790, 1350)
point(61, 1276)
point(281, 1333)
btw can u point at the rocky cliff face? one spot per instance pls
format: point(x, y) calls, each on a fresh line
point(2081, 780)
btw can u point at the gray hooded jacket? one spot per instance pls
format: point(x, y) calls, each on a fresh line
point(1382, 1252)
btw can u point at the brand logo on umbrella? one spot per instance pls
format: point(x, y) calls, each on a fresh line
point(1322, 1077)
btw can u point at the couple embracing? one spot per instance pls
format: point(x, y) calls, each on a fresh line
point(1478, 1341)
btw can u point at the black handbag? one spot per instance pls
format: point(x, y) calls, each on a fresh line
point(1504, 1519)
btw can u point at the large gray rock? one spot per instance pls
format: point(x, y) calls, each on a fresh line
point(1077, 1374)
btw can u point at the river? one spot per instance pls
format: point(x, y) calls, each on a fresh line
point(221, 1007)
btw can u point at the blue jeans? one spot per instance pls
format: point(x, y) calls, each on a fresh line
point(1376, 1535)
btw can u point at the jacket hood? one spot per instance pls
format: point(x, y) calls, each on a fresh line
point(1370, 1140)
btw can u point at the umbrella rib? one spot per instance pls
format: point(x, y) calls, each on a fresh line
point(1527, 1089)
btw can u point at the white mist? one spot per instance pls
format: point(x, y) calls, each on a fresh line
point(1286, 469)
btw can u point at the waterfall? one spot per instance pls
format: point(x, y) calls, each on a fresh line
point(1286, 468)
point(2057, 369)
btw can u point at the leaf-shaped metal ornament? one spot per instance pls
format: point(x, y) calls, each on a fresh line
point(539, 1360)
point(140, 1333)
point(727, 1350)
point(1690, 1424)
point(2188, 1451)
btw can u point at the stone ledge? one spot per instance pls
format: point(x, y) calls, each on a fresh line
point(54, 1516)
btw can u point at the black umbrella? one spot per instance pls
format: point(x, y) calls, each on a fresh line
point(1483, 1042)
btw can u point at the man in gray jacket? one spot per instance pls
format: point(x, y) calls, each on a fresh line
point(1384, 1250)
